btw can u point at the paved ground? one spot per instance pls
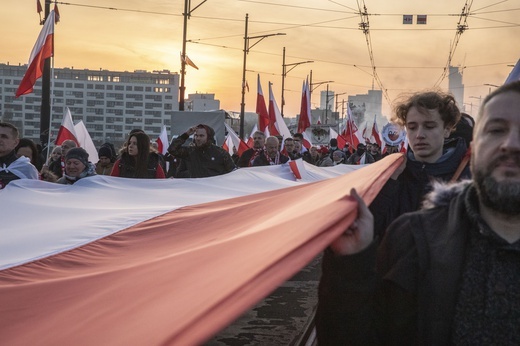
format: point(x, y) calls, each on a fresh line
point(279, 319)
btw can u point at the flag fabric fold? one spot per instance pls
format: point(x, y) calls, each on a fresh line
point(188, 61)
point(250, 140)
point(42, 50)
point(166, 278)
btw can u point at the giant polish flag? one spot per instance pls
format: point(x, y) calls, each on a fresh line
point(42, 50)
point(163, 261)
point(67, 129)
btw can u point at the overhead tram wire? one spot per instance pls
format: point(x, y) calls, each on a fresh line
point(462, 26)
point(365, 27)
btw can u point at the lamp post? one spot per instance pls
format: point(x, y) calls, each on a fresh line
point(491, 85)
point(284, 74)
point(313, 86)
point(247, 47)
point(479, 102)
point(186, 14)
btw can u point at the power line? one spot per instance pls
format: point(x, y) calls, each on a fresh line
point(462, 26)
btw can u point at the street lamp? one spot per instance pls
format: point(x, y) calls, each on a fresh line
point(336, 109)
point(247, 47)
point(491, 85)
point(285, 71)
point(186, 14)
point(479, 102)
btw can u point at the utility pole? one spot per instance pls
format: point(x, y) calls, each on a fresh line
point(45, 111)
point(247, 47)
point(186, 14)
point(284, 74)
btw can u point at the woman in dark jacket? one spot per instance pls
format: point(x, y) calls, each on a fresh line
point(137, 160)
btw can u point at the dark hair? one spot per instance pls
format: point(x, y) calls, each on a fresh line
point(513, 86)
point(209, 132)
point(298, 135)
point(13, 128)
point(26, 142)
point(444, 103)
point(140, 162)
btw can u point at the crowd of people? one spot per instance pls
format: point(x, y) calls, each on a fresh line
point(434, 259)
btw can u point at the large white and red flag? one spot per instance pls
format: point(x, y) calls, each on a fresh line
point(261, 109)
point(162, 141)
point(85, 141)
point(277, 125)
point(42, 50)
point(237, 141)
point(304, 121)
point(155, 269)
point(228, 144)
point(67, 130)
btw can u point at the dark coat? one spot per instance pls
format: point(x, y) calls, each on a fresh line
point(205, 161)
point(410, 297)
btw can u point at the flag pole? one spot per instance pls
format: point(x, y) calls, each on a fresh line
point(45, 111)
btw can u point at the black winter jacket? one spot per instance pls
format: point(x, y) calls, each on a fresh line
point(206, 161)
point(409, 294)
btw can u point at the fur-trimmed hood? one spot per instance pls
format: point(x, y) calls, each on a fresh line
point(443, 193)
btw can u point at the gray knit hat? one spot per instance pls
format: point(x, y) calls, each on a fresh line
point(78, 154)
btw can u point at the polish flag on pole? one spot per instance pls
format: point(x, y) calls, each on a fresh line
point(162, 141)
point(375, 133)
point(341, 140)
point(278, 126)
point(43, 49)
point(85, 141)
point(305, 110)
point(228, 144)
point(261, 109)
point(250, 140)
point(351, 133)
point(67, 130)
point(237, 142)
point(307, 142)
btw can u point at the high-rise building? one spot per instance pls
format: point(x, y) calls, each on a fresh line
point(455, 86)
point(110, 103)
point(365, 106)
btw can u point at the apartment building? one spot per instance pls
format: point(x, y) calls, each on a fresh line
point(110, 103)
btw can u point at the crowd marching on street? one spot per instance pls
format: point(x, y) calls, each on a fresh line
point(434, 259)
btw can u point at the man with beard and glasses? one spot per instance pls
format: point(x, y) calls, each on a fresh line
point(447, 274)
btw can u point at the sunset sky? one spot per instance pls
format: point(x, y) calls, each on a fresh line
point(147, 35)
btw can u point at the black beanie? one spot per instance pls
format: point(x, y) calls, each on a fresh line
point(105, 151)
point(78, 154)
